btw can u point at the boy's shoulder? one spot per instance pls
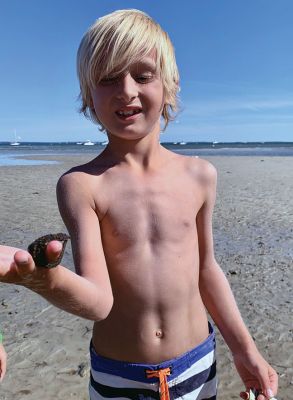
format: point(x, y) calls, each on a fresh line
point(95, 167)
point(84, 180)
point(199, 168)
point(77, 176)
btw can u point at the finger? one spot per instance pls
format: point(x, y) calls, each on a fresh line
point(270, 393)
point(272, 387)
point(264, 380)
point(2, 367)
point(273, 383)
point(244, 395)
point(2, 371)
point(53, 250)
point(24, 263)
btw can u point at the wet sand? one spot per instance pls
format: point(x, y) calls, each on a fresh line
point(48, 355)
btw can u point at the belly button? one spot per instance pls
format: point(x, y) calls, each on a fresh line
point(159, 333)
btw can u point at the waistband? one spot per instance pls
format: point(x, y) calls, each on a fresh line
point(137, 371)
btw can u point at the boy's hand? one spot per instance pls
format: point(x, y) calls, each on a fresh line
point(3, 359)
point(18, 267)
point(256, 373)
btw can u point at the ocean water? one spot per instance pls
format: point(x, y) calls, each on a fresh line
point(16, 155)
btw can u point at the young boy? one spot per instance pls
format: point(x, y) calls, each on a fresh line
point(140, 221)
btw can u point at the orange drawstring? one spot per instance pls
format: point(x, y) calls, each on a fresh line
point(162, 375)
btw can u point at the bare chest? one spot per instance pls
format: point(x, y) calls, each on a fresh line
point(154, 210)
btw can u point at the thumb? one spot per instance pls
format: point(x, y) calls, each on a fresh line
point(24, 263)
point(53, 250)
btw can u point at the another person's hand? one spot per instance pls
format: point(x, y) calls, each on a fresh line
point(256, 373)
point(18, 267)
point(3, 361)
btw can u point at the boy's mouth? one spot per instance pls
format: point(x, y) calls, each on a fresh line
point(125, 113)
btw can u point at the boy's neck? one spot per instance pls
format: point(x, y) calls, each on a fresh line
point(141, 154)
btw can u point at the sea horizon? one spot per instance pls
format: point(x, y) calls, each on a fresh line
point(17, 154)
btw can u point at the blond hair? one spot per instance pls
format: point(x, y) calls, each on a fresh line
point(116, 41)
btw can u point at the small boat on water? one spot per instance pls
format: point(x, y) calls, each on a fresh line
point(182, 143)
point(16, 142)
point(88, 143)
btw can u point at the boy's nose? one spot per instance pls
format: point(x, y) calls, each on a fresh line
point(127, 88)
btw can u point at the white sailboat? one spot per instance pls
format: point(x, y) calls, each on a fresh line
point(16, 138)
point(88, 143)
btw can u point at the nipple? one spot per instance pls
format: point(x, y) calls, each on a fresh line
point(159, 333)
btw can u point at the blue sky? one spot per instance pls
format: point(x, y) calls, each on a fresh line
point(235, 60)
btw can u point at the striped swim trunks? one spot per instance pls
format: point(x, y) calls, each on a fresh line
point(191, 376)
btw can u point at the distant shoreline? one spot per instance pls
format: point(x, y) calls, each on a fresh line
point(40, 153)
point(168, 143)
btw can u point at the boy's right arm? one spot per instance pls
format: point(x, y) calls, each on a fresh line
point(88, 293)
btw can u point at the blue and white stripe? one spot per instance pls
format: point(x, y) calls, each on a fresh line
point(193, 376)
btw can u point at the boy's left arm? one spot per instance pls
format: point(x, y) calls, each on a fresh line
point(220, 303)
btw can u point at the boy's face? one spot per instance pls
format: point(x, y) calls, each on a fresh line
point(129, 106)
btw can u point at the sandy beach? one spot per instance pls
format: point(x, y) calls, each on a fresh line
point(48, 355)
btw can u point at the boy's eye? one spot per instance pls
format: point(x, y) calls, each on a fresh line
point(109, 80)
point(144, 78)
point(140, 78)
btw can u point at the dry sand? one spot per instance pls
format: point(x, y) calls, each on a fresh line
point(253, 228)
